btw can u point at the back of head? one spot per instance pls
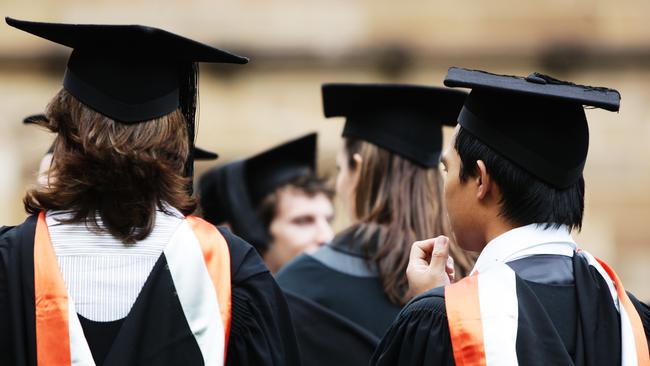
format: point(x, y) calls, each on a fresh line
point(401, 202)
point(397, 132)
point(130, 96)
point(114, 172)
point(525, 199)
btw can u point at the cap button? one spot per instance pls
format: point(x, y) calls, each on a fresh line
point(534, 78)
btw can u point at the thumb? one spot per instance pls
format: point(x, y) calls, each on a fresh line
point(439, 255)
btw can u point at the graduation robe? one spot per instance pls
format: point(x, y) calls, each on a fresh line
point(261, 332)
point(337, 303)
point(566, 316)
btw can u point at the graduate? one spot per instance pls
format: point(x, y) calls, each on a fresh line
point(514, 190)
point(110, 268)
point(344, 297)
point(273, 200)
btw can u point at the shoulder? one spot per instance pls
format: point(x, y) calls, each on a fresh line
point(245, 262)
point(13, 235)
point(301, 263)
point(644, 313)
point(638, 304)
point(261, 329)
point(419, 335)
point(299, 270)
point(432, 301)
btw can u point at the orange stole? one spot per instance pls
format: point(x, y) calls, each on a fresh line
point(464, 318)
point(51, 302)
point(217, 260)
point(642, 353)
point(466, 331)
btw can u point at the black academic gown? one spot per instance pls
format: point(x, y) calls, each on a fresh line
point(261, 330)
point(566, 317)
point(337, 303)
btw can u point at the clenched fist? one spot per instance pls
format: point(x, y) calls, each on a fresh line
point(429, 265)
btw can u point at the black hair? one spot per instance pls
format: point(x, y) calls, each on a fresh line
point(525, 199)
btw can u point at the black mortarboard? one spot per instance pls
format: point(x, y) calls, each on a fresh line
point(35, 119)
point(537, 122)
point(232, 192)
point(405, 119)
point(202, 154)
point(131, 73)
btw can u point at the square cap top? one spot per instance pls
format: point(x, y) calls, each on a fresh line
point(535, 84)
point(126, 38)
point(537, 122)
point(130, 73)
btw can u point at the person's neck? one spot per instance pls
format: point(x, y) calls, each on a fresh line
point(495, 228)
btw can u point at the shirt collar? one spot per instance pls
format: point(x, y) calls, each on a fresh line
point(525, 241)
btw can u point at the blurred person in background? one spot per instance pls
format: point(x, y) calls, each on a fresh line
point(273, 200)
point(344, 296)
point(110, 268)
point(514, 190)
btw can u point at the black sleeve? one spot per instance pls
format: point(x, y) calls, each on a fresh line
point(261, 331)
point(644, 313)
point(5, 319)
point(419, 335)
point(17, 329)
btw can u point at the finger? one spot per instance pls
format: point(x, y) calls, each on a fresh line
point(439, 255)
point(450, 264)
point(450, 269)
point(421, 251)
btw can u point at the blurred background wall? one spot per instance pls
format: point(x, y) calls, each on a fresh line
point(297, 45)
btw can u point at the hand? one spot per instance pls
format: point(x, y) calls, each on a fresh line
point(429, 265)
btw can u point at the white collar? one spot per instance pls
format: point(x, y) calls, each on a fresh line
point(525, 241)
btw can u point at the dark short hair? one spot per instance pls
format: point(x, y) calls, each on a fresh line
point(525, 198)
point(310, 185)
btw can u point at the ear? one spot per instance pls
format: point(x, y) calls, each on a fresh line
point(483, 181)
point(358, 160)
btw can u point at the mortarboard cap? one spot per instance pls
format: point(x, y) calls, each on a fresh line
point(537, 122)
point(405, 119)
point(232, 192)
point(131, 73)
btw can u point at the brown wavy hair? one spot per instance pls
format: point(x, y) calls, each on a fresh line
point(400, 202)
point(119, 173)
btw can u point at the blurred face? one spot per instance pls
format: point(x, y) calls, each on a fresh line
point(462, 204)
point(346, 180)
point(301, 224)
